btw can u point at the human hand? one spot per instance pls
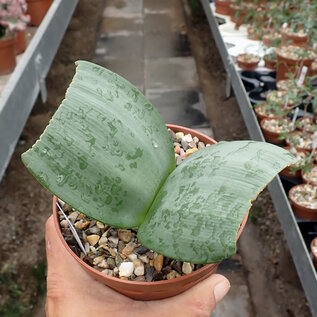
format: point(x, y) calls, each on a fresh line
point(71, 291)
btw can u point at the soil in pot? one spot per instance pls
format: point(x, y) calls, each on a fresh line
point(266, 110)
point(310, 177)
point(304, 201)
point(281, 98)
point(291, 58)
point(313, 249)
point(300, 140)
point(248, 61)
point(7, 55)
point(37, 10)
point(274, 129)
point(117, 259)
point(288, 85)
point(294, 171)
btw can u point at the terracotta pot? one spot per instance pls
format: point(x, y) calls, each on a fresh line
point(313, 245)
point(288, 142)
point(37, 10)
point(301, 211)
point(150, 290)
point(294, 39)
point(269, 63)
point(271, 41)
point(271, 136)
point(287, 65)
point(20, 41)
point(247, 65)
point(262, 116)
point(7, 55)
point(222, 7)
point(287, 171)
point(306, 180)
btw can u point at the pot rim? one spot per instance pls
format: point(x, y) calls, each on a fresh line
point(140, 283)
point(290, 195)
point(305, 178)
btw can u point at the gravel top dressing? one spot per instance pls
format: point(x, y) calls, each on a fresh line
point(306, 196)
point(117, 252)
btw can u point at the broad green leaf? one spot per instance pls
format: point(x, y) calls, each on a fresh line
point(106, 151)
point(197, 213)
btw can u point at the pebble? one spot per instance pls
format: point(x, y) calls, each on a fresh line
point(94, 230)
point(103, 240)
point(104, 264)
point(132, 257)
point(185, 145)
point(182, 154)
point(166, 269)
point(172, 274)
point(158, 262)
point(111, 263)
point(138, 268)
point(179, 136)
point(150, 255)
point(100, 225)
point(157, 276)
point(81, 225)
point(108, 272)
point(144, 258)
point(118, 260)
point(141, 249)
point(73, 216)
point(149, 271)
point(179, 160)
point(172, 134)
point(187, 268)
point(93, 239)
point(177, 267)
point(64, 223)
point(114, 240)
point(98, 259)
point(191, 151)
point(129, 248)
point(125, 235)
point(116, 271)
point(187, 138)
point(126, 269)
point(113, 232)
point(140, 278)
point(177, 149)
point(192, 144)
point(121, 246)
point(201, 145)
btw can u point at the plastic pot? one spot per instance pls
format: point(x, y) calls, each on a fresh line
point(37, 10)
point(300, 210)
point(149, 290)
point(20, 41)
point(7, 55)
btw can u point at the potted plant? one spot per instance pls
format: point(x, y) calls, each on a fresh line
point(222, 6)
point(306, 124)
point(313, 249)
point(12, 18)
point(310, 176)
point(269, 110)
point(272, 39)
point(107, 153)
point(294, 171)
point(270, 60)
point(248, 61)
point(304, 201)
point(275, 128)
point(285, 99)
point(291, 36)
point(37, 10)
point(300, 140)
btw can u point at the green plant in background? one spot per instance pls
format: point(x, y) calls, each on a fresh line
point(107, 153)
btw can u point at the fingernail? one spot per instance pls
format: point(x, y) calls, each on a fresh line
point(221, 289)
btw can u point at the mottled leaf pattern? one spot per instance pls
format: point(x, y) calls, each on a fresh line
point(106, 151)
point(196, 215)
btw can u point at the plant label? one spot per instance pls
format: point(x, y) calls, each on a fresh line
point(302, 76)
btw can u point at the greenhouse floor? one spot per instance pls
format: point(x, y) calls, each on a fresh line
point(164, 48)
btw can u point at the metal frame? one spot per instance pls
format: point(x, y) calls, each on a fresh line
point(296, 243)
point(28, 78)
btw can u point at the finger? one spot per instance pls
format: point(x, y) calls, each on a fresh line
point(200, 300)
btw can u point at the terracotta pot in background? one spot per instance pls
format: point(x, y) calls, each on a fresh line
point(269, 63)
point(7, 55)
point(20, 41)
point(247, 65)
point(294, 39)
point(222, 7)
point(287, 170)
point(272, 136)
point(37, 10)
point(306, 180)
point(150, 290)
point(302, 211)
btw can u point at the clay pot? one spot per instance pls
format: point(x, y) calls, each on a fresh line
point(287, 172)
point(313, 247)
point(7, 55)
point(272, 136)
point(222, 7)
point(260, 115)
point(270, 40)
point(294, 39)
point(269, 63)
point(302, 211)
point(149, 290)
point(37, 10)
point(298, 147)
point(306, 180)
point(20, 41)
point(245, 64)
point(287, 65)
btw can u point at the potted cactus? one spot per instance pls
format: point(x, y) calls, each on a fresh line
point(12, 19)
point(108, 156)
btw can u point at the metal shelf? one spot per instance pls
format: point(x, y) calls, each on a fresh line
point(296, 243)
point(28, 79)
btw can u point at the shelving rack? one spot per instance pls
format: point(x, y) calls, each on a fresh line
point(289, 223)
point(28, 79)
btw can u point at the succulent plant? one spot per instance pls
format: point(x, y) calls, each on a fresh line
point(107, 153)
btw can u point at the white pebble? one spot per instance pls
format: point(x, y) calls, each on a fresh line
point(139, 270)
point(126, 269)
point(132, 257)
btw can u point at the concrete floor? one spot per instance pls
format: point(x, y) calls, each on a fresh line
point(146, 42)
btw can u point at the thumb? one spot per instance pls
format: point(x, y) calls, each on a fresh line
point(199, 300)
